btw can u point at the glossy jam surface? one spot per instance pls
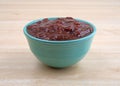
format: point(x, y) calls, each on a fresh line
point(59, 29)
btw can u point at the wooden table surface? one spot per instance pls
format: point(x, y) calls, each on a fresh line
point(100, 67)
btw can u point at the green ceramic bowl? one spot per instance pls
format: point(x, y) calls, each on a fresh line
point(59, 54)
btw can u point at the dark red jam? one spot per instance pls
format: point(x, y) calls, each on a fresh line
point(59, 29)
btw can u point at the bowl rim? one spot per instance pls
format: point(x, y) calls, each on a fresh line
point(64, 41)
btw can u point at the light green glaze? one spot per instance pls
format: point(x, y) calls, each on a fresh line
point(59, 53)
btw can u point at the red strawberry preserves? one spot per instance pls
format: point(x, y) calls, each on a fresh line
point(59, 29)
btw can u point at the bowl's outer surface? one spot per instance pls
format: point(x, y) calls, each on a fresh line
point(59, 53)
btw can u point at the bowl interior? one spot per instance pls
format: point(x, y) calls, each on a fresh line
point(65, 41)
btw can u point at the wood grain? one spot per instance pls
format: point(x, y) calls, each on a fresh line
point(100, 67)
